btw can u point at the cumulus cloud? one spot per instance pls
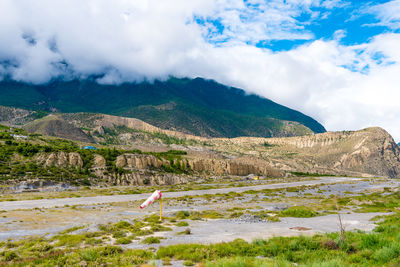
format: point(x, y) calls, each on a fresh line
point(344, 87)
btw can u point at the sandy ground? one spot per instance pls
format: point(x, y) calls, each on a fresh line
point(51, 203)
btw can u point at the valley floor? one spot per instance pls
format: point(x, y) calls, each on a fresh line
point(51, 203)
point(313, 208)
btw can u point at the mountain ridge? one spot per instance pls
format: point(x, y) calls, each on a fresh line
point(194, 106)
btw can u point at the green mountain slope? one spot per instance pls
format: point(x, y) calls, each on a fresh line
point(195, 106)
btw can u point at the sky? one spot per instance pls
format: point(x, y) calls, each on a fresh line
point(335, 60)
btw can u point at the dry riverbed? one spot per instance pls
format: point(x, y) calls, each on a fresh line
point(231, 206)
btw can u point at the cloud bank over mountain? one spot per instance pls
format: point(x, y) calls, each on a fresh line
point(337, 61)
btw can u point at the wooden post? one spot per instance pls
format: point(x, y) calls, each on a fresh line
point(160, 209)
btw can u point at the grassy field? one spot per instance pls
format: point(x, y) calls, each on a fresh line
point(105, 246)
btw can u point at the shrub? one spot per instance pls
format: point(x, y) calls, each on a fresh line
point(70, 240)
point(182, 224)
point(188, 263)
point(298, 212)
point(183, 214)
point(119, 234)
point(123, 241)
point(388, 253)
point(151, 240)
point(330, 244)
point(10, 255)
point(89, 255)
point(110, 251)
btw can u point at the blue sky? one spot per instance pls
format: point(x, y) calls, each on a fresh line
point(335, 60)
point(354, 22)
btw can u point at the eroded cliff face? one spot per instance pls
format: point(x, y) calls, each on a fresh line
point(199, 165)
point(144, 169)
point(368, 152)
point(60, 159)
point(139, 161)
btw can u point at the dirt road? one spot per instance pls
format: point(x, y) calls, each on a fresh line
point(51, 203)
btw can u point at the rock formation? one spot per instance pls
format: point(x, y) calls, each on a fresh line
point(60, 159)
point(198, 165)
point(368, 152)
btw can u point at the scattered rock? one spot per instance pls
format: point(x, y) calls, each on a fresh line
point(300, 228)
point(249, 218)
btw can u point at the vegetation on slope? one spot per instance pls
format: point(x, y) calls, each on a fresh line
point(17, 158)
point(197, 106)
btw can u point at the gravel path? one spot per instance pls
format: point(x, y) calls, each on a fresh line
point(51, 203)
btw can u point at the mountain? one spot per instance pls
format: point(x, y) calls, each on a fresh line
point(132, 152)
point(193, 106)
point(55, 126)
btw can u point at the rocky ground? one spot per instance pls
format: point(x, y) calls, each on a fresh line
point(42, 216)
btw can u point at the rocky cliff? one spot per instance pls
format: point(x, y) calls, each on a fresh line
point(144, 169)
point(240, 167)
point(368, 152)
point(60, 159)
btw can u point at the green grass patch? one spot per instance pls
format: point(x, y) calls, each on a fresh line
point(182, 224)
point(298, 212)
point(151, 240)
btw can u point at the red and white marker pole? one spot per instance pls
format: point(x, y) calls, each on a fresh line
point(156, 195)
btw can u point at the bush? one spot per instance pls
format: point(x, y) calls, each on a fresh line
point(110, 251)
point(183, 214)
point(151, 240)
point(124, 241)
point(188, 263)
point(182, 224)
point(123, 225)
point(298, 212)
point(89, 255)
point(119, 234)
point(385, 254)
point(10, 255)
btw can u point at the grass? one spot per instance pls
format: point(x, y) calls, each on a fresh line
point(247, 262)
point(182, 224)
point(197, 215)
point(151, 240)
point(382, 247)
point(298, 212)
point(307, 174)
point(379, 248)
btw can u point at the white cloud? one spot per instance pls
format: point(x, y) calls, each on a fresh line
point(387, 13)
point(344, 87)
point(339, 34)
point(258, 20)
